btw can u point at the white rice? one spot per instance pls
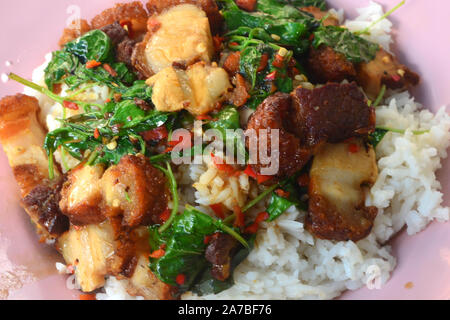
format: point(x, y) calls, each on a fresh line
point(288, 262)
point(379, 33)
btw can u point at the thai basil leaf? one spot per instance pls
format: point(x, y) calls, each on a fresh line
point(61, 64)
point(129, 115)
point(376, 137)
point(290, 31)
point(138, 90)
point(278, 205)
point(94, 45)
point(100, 75)
point(229, 119)
point(74, 141)
point(185, 247)
point(321, 4)
point(353, 47)
point(284, 10)
point(113, 157)
point(249, 63)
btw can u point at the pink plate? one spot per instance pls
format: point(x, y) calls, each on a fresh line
point(30, 29)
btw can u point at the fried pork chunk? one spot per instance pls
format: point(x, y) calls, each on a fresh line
point(180, 34)
point(197, 89)
point(340, 175)
point(332, 113)
point(218, 253)
point(22, 138)
point(209, 6)
point(326, 65)
point(276, 113)
point(81, 195)
point(386, 70)
point(107, 249)
point(134, 190)
point(124, 13)
point(76, 29)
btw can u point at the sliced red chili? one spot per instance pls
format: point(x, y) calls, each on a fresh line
point(271, 76)
point(92, 64)
point(253, 228)
point(96, 133)
point(157, 254)
point(263, 63)
point(278, 61)
point(110, 70)
point(165, 215)
point(396, 78)
point(218, 210)
point(249, 171)
point(219, 163)
point(282, 193)
point(207, 239)
point(180, 279)
point(70, 105)
point(204, 117)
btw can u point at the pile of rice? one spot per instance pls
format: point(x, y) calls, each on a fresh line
point(287, 261)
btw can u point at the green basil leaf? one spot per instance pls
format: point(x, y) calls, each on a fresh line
point(94, 45)
point(353, 47)
point(376, 137)
point(62, 63)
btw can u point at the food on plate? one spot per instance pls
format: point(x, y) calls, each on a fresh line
point(143, 149)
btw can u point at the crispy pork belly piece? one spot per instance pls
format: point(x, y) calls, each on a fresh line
point(180, 34)
point(42, 204)
point(132, 12)
point(145, 284)
point(339, 175)
point(88, 248)
point(135, 190)
point(276, 112)
point(76, 29)
point(108, 249)
point(81, 195)
point(326, 65)
point(331, 20)
point(332, 113)
point(197, 89)
point(385, 69)
point(22, 138)
point(208, 6)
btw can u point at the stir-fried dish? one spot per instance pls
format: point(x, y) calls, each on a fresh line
point(101, 185)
